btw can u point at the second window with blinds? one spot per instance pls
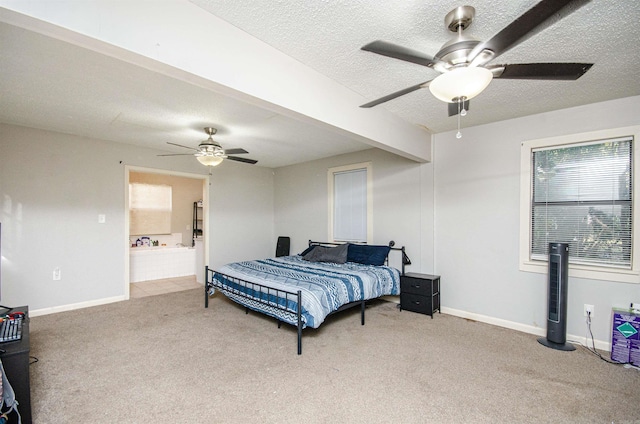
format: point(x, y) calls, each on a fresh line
point(350, 203)
point(579, 189)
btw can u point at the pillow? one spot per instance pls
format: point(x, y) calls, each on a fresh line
point(307, 250)
point(336, 254)
point(367, 255)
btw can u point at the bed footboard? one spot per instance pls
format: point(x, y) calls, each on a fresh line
point(285, 306)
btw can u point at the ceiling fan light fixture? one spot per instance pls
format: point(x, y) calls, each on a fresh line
point(464, 82)
point(209, 160)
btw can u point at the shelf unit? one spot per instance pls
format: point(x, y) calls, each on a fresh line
point(197, 222)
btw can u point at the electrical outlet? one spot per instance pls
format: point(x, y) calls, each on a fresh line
point(57, 275)
point(589, 309)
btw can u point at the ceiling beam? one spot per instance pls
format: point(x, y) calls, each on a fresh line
point(183, 41)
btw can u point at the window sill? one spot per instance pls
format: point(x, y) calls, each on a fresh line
point(588, 272)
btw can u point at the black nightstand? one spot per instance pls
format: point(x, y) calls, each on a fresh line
point(420, 293)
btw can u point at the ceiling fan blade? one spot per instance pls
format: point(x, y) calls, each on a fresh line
point(245, 160)
point(177, 154)
point(396, 94)
point(234, 151)
point(395, 51)
point(453, 107)
point(543, 71)
point(540, 16)
point(180, 145)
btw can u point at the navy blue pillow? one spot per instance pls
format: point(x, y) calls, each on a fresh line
point(367, 255)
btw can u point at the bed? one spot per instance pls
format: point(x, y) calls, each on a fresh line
point(303, 290)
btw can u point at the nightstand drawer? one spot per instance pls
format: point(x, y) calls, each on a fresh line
point(416, 303)
point(415, 285)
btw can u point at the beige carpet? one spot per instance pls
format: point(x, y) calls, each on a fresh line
point(167, 359)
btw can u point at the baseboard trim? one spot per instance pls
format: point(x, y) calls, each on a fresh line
point(600, 345)
point(74, 306)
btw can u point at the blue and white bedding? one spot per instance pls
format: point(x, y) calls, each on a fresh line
point(325, 286)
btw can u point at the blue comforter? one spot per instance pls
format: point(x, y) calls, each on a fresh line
point(325, 286)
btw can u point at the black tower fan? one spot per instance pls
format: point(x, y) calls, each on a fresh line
point(557, 298)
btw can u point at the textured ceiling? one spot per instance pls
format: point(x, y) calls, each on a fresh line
point(51, 84)
point(327, 36)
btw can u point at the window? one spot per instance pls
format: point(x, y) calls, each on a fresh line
point(582, 196)
point(149, 209)
point(581, 193)
point(350, 200)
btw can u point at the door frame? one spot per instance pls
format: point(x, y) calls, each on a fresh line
point(205, 214)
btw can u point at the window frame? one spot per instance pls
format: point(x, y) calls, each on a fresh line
point(330, 185)
point(596, 272)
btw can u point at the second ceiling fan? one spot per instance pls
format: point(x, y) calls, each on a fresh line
point(464, 62)
point(210, 153)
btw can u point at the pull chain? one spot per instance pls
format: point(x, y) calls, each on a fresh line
point(461, 112)
point(459, 134)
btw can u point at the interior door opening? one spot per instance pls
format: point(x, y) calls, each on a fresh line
point(170, 257)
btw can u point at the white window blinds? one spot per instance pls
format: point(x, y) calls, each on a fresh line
point(149, 209)
point(582, 195)
point(350, 205)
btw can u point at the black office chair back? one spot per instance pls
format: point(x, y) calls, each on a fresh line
point(282, 247)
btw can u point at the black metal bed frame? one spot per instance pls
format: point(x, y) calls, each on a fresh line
point(276, 300)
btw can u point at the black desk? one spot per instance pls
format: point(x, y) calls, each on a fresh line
point(15, 360)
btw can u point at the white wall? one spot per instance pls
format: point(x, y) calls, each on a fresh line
point(477, 223)
point(241, 213)
point(52, 188)
point(402, 203)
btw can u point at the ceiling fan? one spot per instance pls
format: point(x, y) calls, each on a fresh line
point(463, 62)
point(210, 153)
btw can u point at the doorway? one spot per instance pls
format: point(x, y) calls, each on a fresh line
point(163, 259)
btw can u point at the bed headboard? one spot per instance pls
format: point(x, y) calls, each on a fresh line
point(404, 258)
